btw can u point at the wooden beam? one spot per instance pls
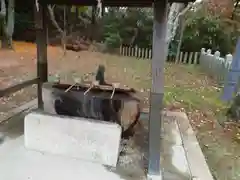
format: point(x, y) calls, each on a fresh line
point(109, 3)
point(41, 40)
point(156, 96)
point(17, 87)
point(18, 110)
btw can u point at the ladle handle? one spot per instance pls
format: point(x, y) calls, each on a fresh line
point(113, 92)
point(68, 89)
point(95, 83)
point(114, 85)
point(88, 89)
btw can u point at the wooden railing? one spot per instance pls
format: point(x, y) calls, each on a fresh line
point(9, 90)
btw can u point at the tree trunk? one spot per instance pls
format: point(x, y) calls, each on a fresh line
point(10, 24)
point(53, 19)
point(134, 36)
point(59, 29)
point(182, 28)
point(93, 23)
point(176, 11)
point(3, 24)
point(173, 16)
point(64, 40)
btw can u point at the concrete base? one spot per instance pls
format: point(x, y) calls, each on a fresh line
point(91, 140)
point(17, 163)
point(154, 177)
point(181, 156)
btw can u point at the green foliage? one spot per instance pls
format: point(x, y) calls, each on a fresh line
point(172, 52)
point(132, 26)
point(79, 9)
point(210, 32)
point(202, 30)
point(112, 36)
point(113, 40)
point(23, 23)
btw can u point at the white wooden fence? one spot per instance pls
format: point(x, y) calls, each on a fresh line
point(214, 65)
point(146, 53)
point(188, 58)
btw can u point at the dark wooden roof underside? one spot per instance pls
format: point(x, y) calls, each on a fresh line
point(109, 3)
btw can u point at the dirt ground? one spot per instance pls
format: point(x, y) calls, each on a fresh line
point(186, 89)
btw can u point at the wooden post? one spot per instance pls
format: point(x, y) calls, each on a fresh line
point(41, 40)
point(156, 96)
point(190, 61)
point(64, 31)
point(195, 58)
point(93, 22)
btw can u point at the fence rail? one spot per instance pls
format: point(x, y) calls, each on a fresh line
point(17, 87)
point(146, 53)
point(214, 65)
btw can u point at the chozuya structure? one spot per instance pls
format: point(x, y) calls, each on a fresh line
point(159, 56)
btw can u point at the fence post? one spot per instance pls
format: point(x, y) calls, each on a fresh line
point(195, 58)
point(181, 57)
point(139, 52)
point(216, 65)
point(123, 51)
point(185, 57)
point(190, 58)
point(136, 51)
point(229, 58)
point(177, 58)
point(146, 53)
point(120, 50)
point(143, 56)
point(222, 69)
point(201, 59)
point(208, 61)
point(132, 49)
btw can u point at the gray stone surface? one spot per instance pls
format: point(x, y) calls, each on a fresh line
point(173, 161)
point(91, 140)
point(155, 177)
point(17, 163)
point(196, 160)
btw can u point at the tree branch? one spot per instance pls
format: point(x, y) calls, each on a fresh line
point(234, 10)
point(134, 36)
point(53, 19)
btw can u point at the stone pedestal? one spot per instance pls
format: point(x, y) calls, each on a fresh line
point(82, 138)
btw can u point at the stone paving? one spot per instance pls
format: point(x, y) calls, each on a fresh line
point(18, 163)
